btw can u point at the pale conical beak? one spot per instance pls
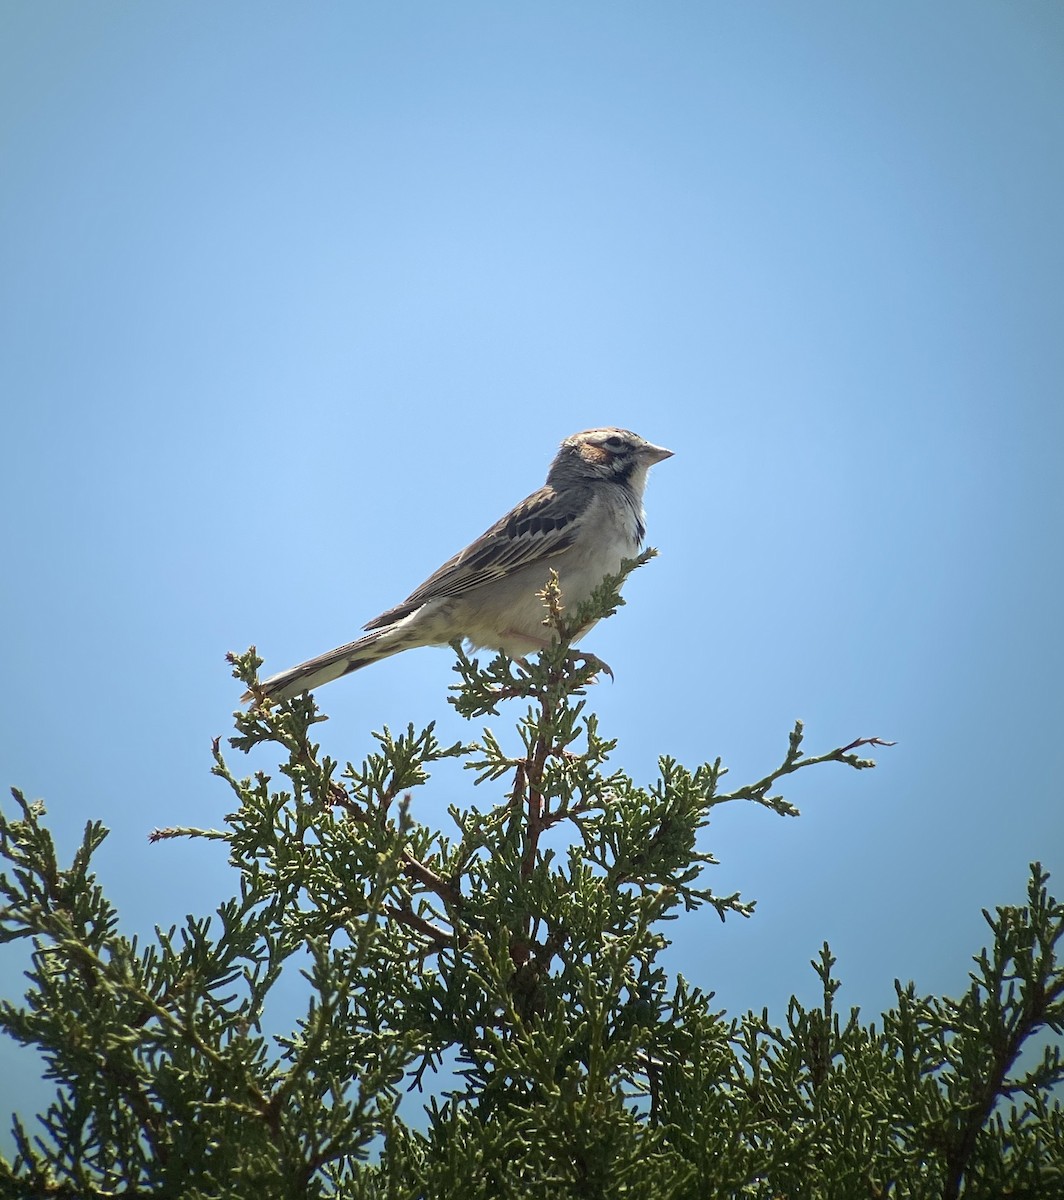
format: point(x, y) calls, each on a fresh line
point(654, 454)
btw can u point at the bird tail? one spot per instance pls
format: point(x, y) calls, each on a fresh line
point(331, 665)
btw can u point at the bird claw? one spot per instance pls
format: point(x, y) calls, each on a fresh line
point(595, 664)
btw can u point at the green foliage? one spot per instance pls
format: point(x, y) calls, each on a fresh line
point(511, 961)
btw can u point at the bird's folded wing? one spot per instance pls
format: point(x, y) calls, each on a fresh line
point(539, 528)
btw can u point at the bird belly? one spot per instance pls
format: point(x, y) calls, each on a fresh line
point(508, 615)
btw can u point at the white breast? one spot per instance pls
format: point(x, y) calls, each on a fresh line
point(507, 615)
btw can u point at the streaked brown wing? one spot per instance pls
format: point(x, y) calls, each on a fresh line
point(539, 528)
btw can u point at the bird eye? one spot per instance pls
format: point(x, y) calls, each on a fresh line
point(614, 442)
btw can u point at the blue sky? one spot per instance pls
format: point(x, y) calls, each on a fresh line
point(295, 301)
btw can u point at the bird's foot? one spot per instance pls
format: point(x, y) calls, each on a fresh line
point(593, 663)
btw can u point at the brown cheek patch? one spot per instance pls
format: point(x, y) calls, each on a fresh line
point(594, 454)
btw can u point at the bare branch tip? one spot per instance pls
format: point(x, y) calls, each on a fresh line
point(867, 741)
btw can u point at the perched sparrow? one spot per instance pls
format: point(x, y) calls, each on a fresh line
point(582, 522)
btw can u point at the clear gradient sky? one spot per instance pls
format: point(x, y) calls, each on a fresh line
point(295, 300)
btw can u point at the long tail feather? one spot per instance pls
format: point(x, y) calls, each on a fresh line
point(331, 665)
